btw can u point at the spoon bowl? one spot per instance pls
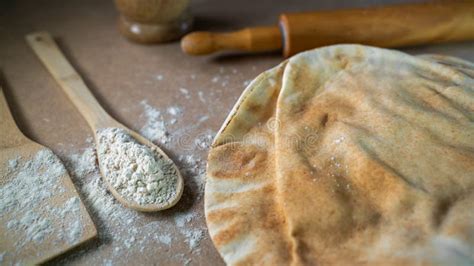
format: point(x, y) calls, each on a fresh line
point(154, 148)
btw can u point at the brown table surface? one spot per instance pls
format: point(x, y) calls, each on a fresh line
point(121, 75)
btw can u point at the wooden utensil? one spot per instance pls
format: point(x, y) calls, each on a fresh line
point(14, 145)
point(97, 118)
point(386, 26)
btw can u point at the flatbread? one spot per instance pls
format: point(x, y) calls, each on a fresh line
point(347, 155)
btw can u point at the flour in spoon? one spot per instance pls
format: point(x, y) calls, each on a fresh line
point(137, 172)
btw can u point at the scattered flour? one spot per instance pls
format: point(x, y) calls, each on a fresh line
point(36, 228)
point(154, 128)
point(203, 142)
point(35, 181)
point(90, 140)
point(203, 118)
point(13, 163)
point(196, 169)
point(85, 162)
point(75, 231)
point(174, 110)
point(28, 214)
point(183, 218)
point(223, 79)
point(201, 96)
point(138, 173)
point(185, 92)
point(194, 238)
point(165, 239)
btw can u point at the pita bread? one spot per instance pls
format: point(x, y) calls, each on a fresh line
point(345, 155)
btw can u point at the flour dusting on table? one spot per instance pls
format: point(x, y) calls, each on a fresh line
point(154, 128)
point(28, 214)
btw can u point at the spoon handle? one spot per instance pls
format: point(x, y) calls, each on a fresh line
point(72, 84)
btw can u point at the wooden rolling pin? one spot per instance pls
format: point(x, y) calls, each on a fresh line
point(386, 26)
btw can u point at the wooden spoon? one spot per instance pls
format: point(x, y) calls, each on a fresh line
point(97, 118)
point(14, 145)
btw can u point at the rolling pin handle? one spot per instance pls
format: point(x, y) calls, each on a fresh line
point(256, 39)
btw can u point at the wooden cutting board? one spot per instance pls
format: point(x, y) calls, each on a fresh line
point(41, 213)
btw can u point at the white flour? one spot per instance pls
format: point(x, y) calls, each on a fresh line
point(165, 239)
point(138, 173)
point(203, 142)
point(35, 181)
point(154, 128)
point(174, 110)
point(201, 96)
point(185, 92)
point(196, 168)
point(27, 213)
point(13, 163)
